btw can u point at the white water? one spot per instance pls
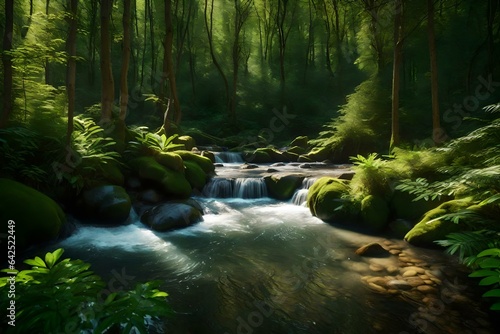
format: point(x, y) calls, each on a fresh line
point(228, 157)
point(236, 188)
point(300, 195)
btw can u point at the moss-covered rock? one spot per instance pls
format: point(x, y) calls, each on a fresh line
point(37, 217)
point(300, 141)
point(172, 182)
point(195, 175)
point(403, 206)
point(203, 162)
point(297, 150)
point(170, 160)
point(325, 196)
point(257, 156)
point(319, 154)
point(170, 216)
point(112, 173)
point(428, 230)
point(209, 155)
point(374, 213)
point(290, 156)
point(283, 187)
point(105, 204)
point(187, 141)
point(304, 158)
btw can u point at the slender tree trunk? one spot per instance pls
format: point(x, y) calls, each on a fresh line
point(436, 127)
point(47, 66)
point(71, 67)
point(92, 40)
point(125, 60)
point(107, 82)
point(168, 68)
point(398, 46)
point(7, 63)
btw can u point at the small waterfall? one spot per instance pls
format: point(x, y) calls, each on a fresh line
point(236, 188)
point(249, 188)
point(228, 157)
point(300, 195)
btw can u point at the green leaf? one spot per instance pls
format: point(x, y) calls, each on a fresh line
point(49, 259)
point(495, 307)
point(490, 280)
point(489, 263)
point(492, 293)
point(490, 252)
point(37, 261)
point(483, 273)
point(159, 294)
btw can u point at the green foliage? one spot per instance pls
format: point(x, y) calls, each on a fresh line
point(372, 177)
point(143, 139)
point(488, 263)
point(19, 147)
point(56, 294)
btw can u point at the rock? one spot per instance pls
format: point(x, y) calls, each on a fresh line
point(403, 206)
point(187, 141)
point(170, 160)
point(105, 204)
point(282, 187)
point(372, 250)
point(304, 158)
point(325, 196)
point(374, 213)
point(297, 150)
point(278, 164)
point(414, 281)
point(272, 170)
point(319, 154)
point(151, 196)
point(204, 162)
point(169, 216)
point(426, 232)
point(218, 165)
point(399, 284)
point(257, 157)
point(300, 141)
point(376, 267)
point(427, 289)
point(248, 166)
point(376, 288)
point(195, 175)
point(174, 183)
point(209, 155)
point(36, 216)
point(417, 270)
point(304, 166)
point(409, 273)
point(347, 176)
point(133, 182)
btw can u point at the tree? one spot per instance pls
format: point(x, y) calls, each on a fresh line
point(7, 63)
point(168, 71)
point(107, 89)
point(398, 47)
point(125, 60)
point(71, 66)
point(436, 128)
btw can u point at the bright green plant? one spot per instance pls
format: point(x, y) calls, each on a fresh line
point(372, 177)
point(153, 141)
point(488, 263)
point(55, 296)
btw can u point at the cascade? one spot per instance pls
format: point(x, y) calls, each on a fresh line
point(300, 195)
point(228, 157)
point(236, 188)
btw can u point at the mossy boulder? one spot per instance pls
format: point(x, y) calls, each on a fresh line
point(325, 197)
point(428, 230)
point(105, 204)
point(257, 156)
point(170, 160)
point(170, 216)
point(300, 141)
point(282, 187)
point(187, 141)
point(112, 173)
point(403, 206)
point(174, 183)
point(319, 154)
point(297, 150)
point(209, 155)
point(304, 158)
point(205, 163)
point(290, 156)
point(195, 175)
point(374, 213)
point(37, 217)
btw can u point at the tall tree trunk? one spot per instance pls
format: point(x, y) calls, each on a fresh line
point(168, 70)
point(125, 60)
point(398, 46)
point(107, 89)
point(71, 67)
point(92, 40)
point(47, 66)
point(436, 127)
point(7, 63)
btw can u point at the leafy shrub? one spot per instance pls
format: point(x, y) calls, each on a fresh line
point(152, 143)
point(372, 177)
point(55, 296)
point(488, 262)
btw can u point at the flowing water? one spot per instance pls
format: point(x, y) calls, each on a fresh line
point(253, 265)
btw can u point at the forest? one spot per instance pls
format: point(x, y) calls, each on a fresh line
point(202, 154)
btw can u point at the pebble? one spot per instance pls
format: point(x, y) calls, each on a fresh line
point(426, 289)
point(428, 281)
point(376, 267)
point(376, 287)
point(417, 270)
point(377, 280)
point(410, 273)
point(395, 251)
point(399, 284)
point(392, 269)
point(424, 277)
point(415, 281)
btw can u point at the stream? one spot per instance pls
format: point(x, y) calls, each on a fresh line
point(257, 265)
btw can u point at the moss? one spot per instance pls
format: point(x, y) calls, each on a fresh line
point(374, 213)
point(319, 154)
point(300, 141)
point(325, 196)
point(37, 217)
point(297, 150)
point(425, 232)
point(203, 162)
point(112, 173)
point(209, 155)
point(257, 157)
point(170, 160)
point(195, 175)
point(187, 141)
point(173, 182)
point(403, 206)
point(282, 187)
